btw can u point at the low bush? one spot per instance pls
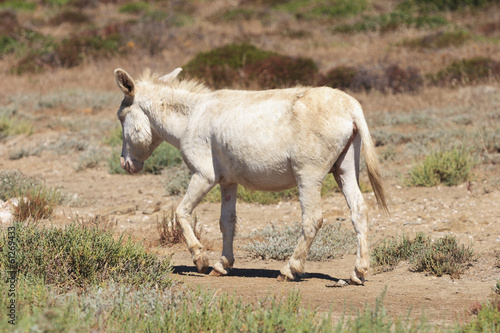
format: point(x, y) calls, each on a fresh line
point(467, 71)
point(241, 64)
point(12, 125)
point(177, 182)
point(36, 203)
point(80, 255)
point(485, 317)
point(18, 5)
point(450, 168)
point(219, 67)
point(322, 9)
point(13, 183)
point(171, 233)
point(278, 243)
point(134, 7)
point(444, 5)
point(72, 16)
point(438, 40)
point(391, 79)
point(443, 256)
point(341, 77)
point(279, 71)
point(391, 21)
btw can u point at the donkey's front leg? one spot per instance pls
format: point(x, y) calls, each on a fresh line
point(227, 227)
point(198, 187)
point(312, 220)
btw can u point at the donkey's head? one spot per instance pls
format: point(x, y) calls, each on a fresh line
point(139, 138)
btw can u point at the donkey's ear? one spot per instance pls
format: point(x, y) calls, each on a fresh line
point(125, 82)
point(170, 77)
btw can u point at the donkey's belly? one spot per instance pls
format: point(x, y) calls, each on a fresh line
point(259, 174)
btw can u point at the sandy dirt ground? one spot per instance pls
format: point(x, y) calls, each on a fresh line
point(134, 204)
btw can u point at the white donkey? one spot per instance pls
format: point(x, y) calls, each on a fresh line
point(264, 140)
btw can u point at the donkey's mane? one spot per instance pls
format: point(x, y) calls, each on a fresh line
point(190, 85)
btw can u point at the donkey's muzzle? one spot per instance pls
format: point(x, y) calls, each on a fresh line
point(130, 165)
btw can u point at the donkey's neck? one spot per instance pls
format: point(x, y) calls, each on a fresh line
point(169, 114)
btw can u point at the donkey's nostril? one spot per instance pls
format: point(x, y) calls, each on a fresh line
point(122, 162)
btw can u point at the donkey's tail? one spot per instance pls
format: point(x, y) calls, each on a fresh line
point(371, 159)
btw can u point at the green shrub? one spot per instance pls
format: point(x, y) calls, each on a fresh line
point(403, 80)
point(219, 67)
point(323, 9)
point(330, 243)
point(13, 183)
point(442, 5)
point(7, 45)
point(341, 77)
point(240, 64)
point(443, 256)
point(438, 40)
point(73, 50)
point(450, 168)
point(18, 5)
point(177, 183)
point(91, 158)
point(73, 16)
point(10, 125)
point(392, 21)
point(134, 7)
point(235, 15)
point(79, 255)
point(280, 71)
point(486, 318)
point(467, 71)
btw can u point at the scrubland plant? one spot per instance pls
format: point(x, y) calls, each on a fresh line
point(450, 168)
point(278, 243)
point(36, 201)
point(80, 255)
point(171, 233)
point(443, 256)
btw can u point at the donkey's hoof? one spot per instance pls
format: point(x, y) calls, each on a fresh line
point(354, 280)
point(357, 278)
point(201, 263)
point(215, 273)
point(284, 278)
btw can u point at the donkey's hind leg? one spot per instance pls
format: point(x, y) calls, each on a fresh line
point(312, 220)
point(346, 174)
point(227, 227)
point(198, 187)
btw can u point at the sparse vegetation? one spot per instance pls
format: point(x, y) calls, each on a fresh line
point(438, 40)
point(450, 168)
point(170, 232)
point(439, 257)
point(12, 125)
point(80, 255)
point(278, 243)
point(468, 71)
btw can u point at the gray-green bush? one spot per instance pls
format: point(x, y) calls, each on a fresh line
point(278, 243)
point(443, 256)
point(81, 255)
point(450, 168)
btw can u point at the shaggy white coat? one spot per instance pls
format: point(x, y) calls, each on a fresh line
point(264, 140)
